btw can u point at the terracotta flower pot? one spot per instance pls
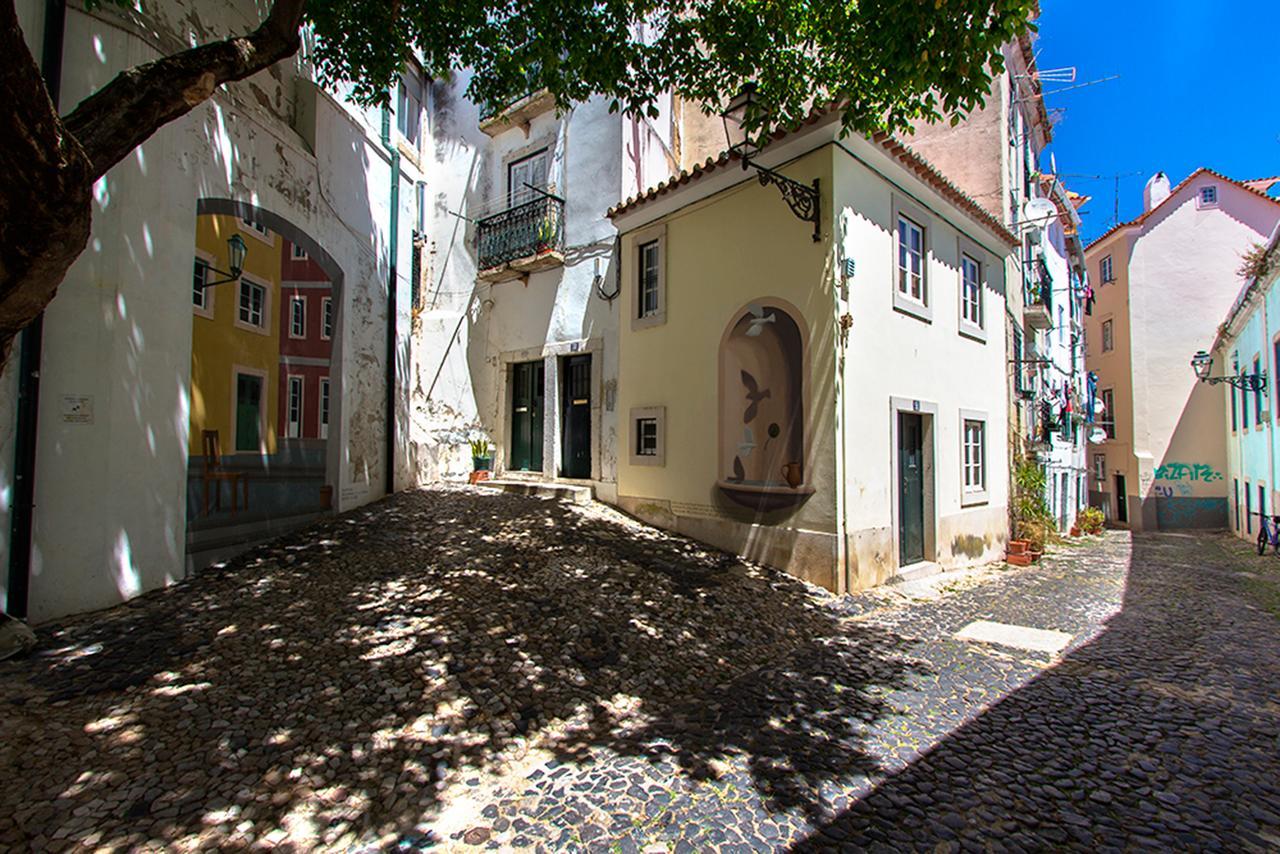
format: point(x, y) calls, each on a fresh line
point(1019, 547)
point(1018, 559)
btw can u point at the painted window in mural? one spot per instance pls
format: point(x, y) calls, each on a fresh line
point(971, 273)
point(911, 259)
point(323, 427)
point(297, 318)
point(252, 299)
point(762, 400)
point(200, 275)
point(326, 318)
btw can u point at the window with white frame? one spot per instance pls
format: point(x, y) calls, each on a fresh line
point(1208, 196)
point(911, 275)
point(326, 318)
point(650, 265)
point(324, 408)
point(253, 302)
point(1108, 420)
point(975, 462)
point(200, 275)
point(409, 106)
point(293, 423)
point(1108, 336)
point(971, 291)
point(297, 253)
point(297, 317)
point(1106, 273)
point(648, 445)
point(1099, 466)
point(527, 176)
point(256, 226)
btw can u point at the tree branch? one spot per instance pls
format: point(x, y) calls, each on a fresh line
point(123, 114)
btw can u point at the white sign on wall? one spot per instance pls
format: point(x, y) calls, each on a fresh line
point(77, 409)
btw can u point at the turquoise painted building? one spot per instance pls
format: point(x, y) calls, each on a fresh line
point(1248, 343)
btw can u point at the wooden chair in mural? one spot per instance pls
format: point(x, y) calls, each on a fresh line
point(215, 474)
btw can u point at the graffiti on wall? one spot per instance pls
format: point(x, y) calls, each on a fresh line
point(1188, 471)
point(1181, 489)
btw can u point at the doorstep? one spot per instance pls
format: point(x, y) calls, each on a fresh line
point(566, 492)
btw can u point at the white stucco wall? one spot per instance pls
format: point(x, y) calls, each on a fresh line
point(110, 495)
point(895, 359)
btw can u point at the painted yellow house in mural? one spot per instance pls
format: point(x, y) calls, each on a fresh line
point(832, 405)
point(235, 339)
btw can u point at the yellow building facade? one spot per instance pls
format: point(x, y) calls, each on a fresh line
point(235, 339)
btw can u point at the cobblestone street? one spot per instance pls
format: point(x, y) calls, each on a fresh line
point(453, 669)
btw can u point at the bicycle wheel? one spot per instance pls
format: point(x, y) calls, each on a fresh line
point(1262, 541)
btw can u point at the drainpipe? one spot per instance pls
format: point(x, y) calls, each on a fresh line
point(393, 244)
point(29, 355)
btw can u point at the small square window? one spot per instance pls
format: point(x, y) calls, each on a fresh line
point(1106, 271)
point(297, 253)
point(1208, 196)
point(256, 226)
point(648, 426)
point(646, 437)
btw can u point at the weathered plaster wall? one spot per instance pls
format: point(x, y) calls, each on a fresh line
point(110, 495)
point(897, 359)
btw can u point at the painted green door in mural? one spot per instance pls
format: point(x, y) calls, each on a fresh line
point(526, 416)
point(248, 412)
point(575, 439)
point(910, 488)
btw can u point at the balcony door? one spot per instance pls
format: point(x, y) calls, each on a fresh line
point(527, 172)
point(526, 416)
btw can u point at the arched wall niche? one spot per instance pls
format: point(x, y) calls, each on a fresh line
point(763, 397)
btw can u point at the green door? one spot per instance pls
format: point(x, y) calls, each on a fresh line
point(526, 416)
point(575, 417)
point(248, 412)
point(910, 488)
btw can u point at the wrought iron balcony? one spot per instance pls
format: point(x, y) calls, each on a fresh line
point(521, 240)
point(1039, 297)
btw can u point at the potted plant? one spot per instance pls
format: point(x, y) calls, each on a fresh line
point(481, 459)
point(546, 234)
point(1091, 520)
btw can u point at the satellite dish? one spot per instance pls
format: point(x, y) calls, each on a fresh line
point(1097, 436)
point(1038, 211)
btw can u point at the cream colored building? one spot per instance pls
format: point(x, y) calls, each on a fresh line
point(833, 407)
point(1164, 281)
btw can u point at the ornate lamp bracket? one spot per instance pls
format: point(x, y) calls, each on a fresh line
point(1245, 382)
point(803, 199)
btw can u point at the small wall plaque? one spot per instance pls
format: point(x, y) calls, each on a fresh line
point(77, 409)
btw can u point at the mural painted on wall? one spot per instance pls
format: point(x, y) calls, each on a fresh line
point(761, 420)
point(261, 347)
point(1188, 471)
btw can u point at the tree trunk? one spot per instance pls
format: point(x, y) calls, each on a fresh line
point(50, 163)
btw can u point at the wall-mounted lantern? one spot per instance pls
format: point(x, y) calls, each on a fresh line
point(236, 252)
point(803, 200)
point(1202, 364)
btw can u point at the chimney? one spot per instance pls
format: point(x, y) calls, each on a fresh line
point(1156, 191)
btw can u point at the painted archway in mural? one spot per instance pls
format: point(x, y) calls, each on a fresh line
point(762, 404)
point(265, 381)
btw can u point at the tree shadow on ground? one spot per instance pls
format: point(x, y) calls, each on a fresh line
point(333, 684)
point(1161, 733)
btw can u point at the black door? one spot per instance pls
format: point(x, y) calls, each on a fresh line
point(526, 416)
point(910, 488)
point(1122, 504)
point(575, 417)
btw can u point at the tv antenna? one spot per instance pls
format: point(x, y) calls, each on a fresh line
point(1115, 179)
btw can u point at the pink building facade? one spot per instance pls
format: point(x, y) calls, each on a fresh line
point(307, 322)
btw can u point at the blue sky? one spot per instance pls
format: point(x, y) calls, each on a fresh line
point(1198, 83)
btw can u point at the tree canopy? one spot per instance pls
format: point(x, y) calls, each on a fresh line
point(886, 62)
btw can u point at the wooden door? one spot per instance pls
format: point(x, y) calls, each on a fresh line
point(248, 412)
point(910, 488)
point(575, 417)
